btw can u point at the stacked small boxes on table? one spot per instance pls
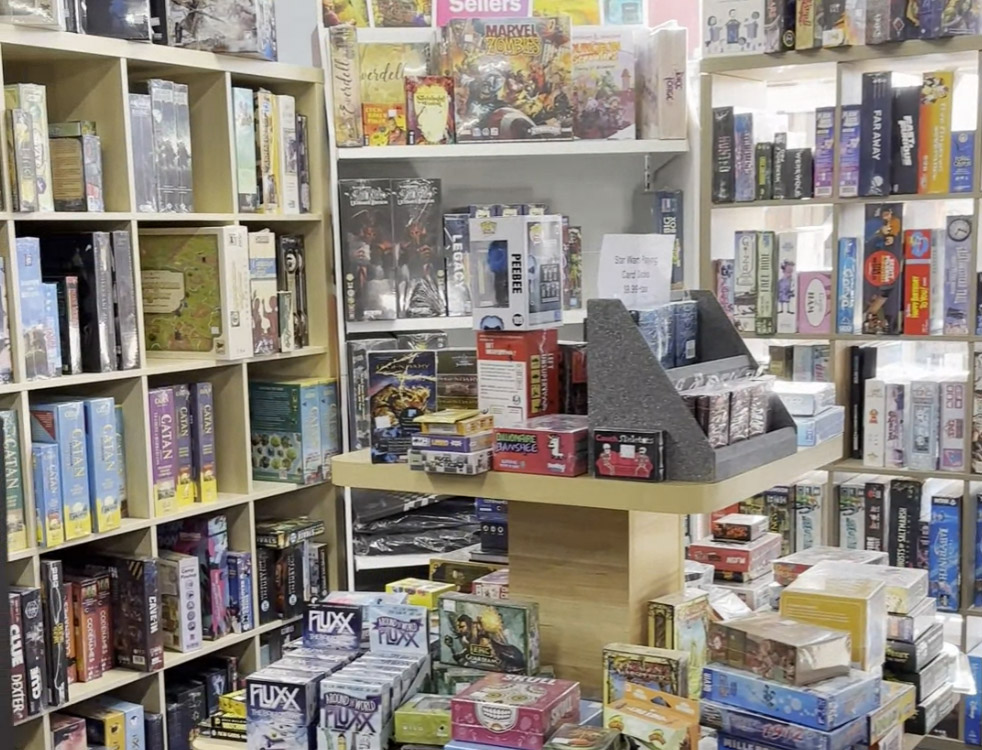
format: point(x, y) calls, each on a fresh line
point(453, 441)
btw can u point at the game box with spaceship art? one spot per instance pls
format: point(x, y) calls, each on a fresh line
point(497, 636)
point(514, 711)
point(513, 78)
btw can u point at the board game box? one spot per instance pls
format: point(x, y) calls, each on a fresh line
point(604, 83)
point(421, 273)
point(245, 27)
point(664, 670)
point(370, 255)
point(634, 455)
point(788, 568)
point(739, 527)
point(752, 557)
point(424, 719)
point(401, 387)
point(536, 705)
point(497, 636)
point(512, 78)
point(680, 621)
point(429, 110)
point(551, 445)
point(882, 266)
point(748, 729)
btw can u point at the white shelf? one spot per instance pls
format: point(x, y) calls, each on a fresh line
point(385, 562)
point(401, 325)
point(523, 148)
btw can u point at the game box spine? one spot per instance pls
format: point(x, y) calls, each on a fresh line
point(203, 464)
point(18, 669)
point(896, 423)
point(851, 512)
point(972, 709)
point(262, 281)
point(345, 85)
point(163, 450)
point(669, 219)
point(724, 180)
point(850, 139)
point(184, 188)
point(977, 577)
point(787, 282)
point(925, 418)
point(35, 667)
point(962, 161)
point(303, 162)
point(13, 482)
point(245, 149)
point(934, 175)
point(266, 578)
point(764, 170)
point(240, 591)
point(874, 418)
point(958, 240)
point(805, 36)
point(875, 516)
point(875, 137)
point(906, 131)
point(165, 141)
point(809, 507)
point(32, 98)
point(68, 326)
point(882, 269)
point(20, 152)
point(801, 168)
point(877, 21)
point(952, 427)
point(144, 145)
point(743, 157)
point(745, 281)
point(824, 151)
point(780, 189)
point(918, 260)
point(288, 175)
point(905, 511)
point(85, 617)
point(900, 27)
point(123, 284)
point(845, 321)
point(182, 439)
point(944, 553)
point(266, 135)
point(766, 313)
point(55, 631)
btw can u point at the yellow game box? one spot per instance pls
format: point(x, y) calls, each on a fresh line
point(420, 592)
point(455, 422)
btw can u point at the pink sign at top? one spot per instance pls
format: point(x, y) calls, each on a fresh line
point(450, 9)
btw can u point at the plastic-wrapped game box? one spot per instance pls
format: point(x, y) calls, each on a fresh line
point(535, 705)
point(281, 705)
point(752, 557)
point(643, 721)
point(739, 527)
point(510, 631)
point(914, 624)
point(779, 733)
point(788, 568)
point(905, 587)
point(789, 652)
point(583, 737)
point(898, 703)
point(825, 705)
point(493, 585)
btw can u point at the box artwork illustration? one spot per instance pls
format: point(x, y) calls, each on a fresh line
point(401, 387)
point(496, 636)
point(664, 670)
point(512, 78)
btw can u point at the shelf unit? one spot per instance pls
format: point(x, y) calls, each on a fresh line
point(839, 69)
point(534, 171)
point(88, 78)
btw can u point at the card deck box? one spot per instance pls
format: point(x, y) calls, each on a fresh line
point(55, 631)
point(680, 622)
point(551, 445)
point(462, 422)
point(752, 557)
point(519, 651)
point(825, 705)
point(63, 424)
point(333, 626)
point(103, 726)
point(805, 399)
point(829, 596)
point(787, 569)
point(493, 585)
point(739, 527)
point(353, 714)
point(538, 705)
point(629, 454)
point(781, 650)
point(911, 626)
point(423, 719)
point(398, 628)
point(665, 670)
point(932, 710)
point(905, 657)
point(585, 735)
point(778, 732)
point(134, 733)
point(420, 592)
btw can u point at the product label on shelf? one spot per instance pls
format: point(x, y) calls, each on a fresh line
point(636, 269)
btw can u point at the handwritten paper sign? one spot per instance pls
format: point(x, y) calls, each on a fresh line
point(636, 269)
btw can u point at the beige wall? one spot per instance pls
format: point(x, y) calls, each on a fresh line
point(686, 12)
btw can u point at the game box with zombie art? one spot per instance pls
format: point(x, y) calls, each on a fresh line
point(555, 444)
point(369, 252)
point(421, 289)
point(604, 63)
point(496, 636)
point(401, 387)
point(512, 78)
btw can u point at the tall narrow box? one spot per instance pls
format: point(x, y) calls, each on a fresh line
point(136, 611)
point(180, 600)
point(904, 165)
point(184, 189)
point(847, 280)
point(724, 181)
point(944, 552)
point(262, 282)
point(13, 482)
point(743, 158)
point(240, 591)
point(49, 514)
point(32, 98)
point(934, 147)
point(814, 302)
point(203, 466)
point(33, 324)
point(924, 422)
point(787, 282)
point(876, 135)
point(102, 452)
point(288, 176)
point(144, 145)
point(958, 239)
point(245, 149)
point(267, 152)
point(35, 663)
point(882, 269)
point(64, 425)
point(745, 281)
point(766, 313)
point(896, 424)
point(17, 672)
point(182, 430)
point(874, 428)
point(953, 426)
point(824, 151)
point(918, 249)
point(164, 141)
point(124, 288)
point(163, 450)
point(55, 631)
point(905, 512)
point(850, 133)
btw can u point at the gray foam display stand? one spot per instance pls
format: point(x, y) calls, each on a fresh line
point(629, 390)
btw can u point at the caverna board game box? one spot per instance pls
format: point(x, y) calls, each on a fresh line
point(681, 621)
point(781, 650)
point(664, 670)
point(485, 55)
point(538, 705)
point(497, 636)
point(554, 444)
point(825, 705)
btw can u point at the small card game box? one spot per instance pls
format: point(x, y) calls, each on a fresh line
point(629, 454)
point(398, 628)
point(785, 651)
point(584, 736)
point(420, 592)
point(450, 462)
point(788, 568)
point(423, 720)
point(904, 657)
point(739, 527)
point(662, 669)
point(535, 706)
point(555, 444)
point(517, 647)
point(754, 730)
point(455, 422)
point(914, 624)
point(281, 702)
point(805, 399)
point(456, 443)
point(753, 557)
point(333, 626)
point(494, 585)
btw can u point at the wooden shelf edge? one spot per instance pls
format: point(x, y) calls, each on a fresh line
point(357, 470)
point(517, 149)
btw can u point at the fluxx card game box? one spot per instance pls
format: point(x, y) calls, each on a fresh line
point(782, 650)
point(550, 445)
point(401, 386)
point(537, 704)
point(629, 454)
point(664, 670)
point(496, 636)
point(283, 705)
point(492, 59)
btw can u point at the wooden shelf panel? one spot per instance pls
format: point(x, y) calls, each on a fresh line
point(176, 658)
point(357, 470)
point(520, 149)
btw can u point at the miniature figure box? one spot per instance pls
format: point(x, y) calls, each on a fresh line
point(493, 585)
point(792, 653)
point(517, 272)
point(64, 425)
point(787, 569)
point(826, 705)
point(529, 359)
point(518, 650)
point(828, 598)
point(462, 422)
point(739, 527)
point(423, 719)
point(203, 442)
point(102, 452)
point(420, 592)
point(537, 706)
point(664, 670)
point(753, 557)
point(551, 445)
point(180, 598)
point(743, 730)
point(286, 444)
point(680, 622)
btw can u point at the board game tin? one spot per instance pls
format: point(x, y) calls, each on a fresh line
point(781, 650)
point(788, 568)
point(481, 634)
point(514, 711)
point(779, 733)
point(825, 705)
point(739, 527)
point(660, 669)
point(555, 444)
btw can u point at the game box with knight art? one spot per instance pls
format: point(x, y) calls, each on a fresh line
point(512, 78)
point(497, 636)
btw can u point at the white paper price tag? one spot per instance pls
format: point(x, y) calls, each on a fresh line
point(636, 269)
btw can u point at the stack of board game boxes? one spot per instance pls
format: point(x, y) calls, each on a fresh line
point(291, 567)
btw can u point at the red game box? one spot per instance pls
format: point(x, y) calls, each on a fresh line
point(737, 558)
point(917, 281)
point(510, 360)
point(555, 444)
point(512, 710)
